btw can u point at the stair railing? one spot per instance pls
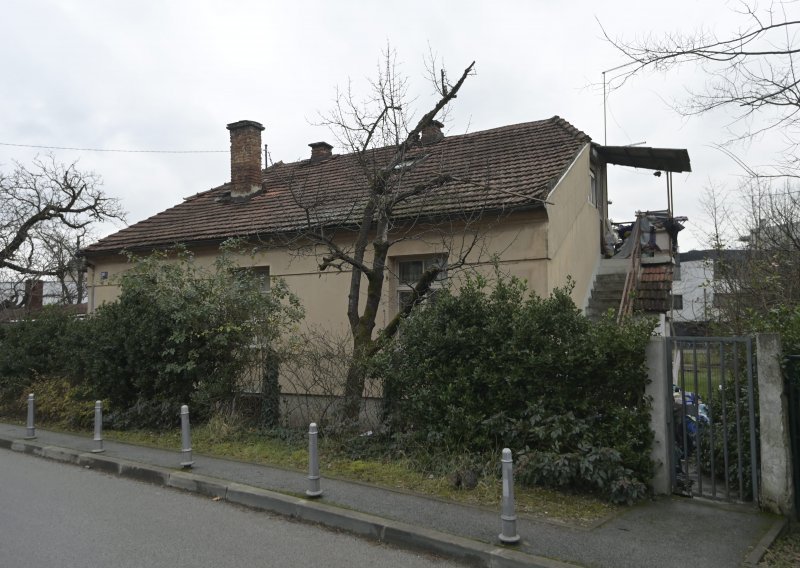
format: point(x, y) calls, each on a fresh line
point(632, 277)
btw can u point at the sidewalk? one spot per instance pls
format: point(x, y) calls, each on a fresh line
point(667, 532)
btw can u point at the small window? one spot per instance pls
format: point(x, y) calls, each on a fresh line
point(592, 188)
point(677, 302)
point(409, 161)
point(410, 271)
point(261, 274)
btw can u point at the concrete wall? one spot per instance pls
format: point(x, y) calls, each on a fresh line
point(660, 390)
point(776, 489)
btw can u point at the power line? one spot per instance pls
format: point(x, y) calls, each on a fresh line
point(115, 150)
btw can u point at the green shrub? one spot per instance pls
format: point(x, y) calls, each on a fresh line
point(180, 333)
point(487, 368)
point(563, 450)
point(60, 402)
point(48, 343)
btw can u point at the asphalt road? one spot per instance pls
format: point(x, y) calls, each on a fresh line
point(56, 515)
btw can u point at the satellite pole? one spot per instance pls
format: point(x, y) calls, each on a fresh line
point(605, 99)
point(605, 130)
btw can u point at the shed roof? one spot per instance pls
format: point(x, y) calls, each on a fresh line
point(666, 159)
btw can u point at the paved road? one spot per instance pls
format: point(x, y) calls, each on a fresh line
point(55, 515)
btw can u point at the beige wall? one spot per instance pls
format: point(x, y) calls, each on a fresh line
point(542, 246)
point(520, 240)
point(573, 240)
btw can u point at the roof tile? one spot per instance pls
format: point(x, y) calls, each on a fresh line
point(499, 169)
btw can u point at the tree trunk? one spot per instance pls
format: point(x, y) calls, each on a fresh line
point(356, 377)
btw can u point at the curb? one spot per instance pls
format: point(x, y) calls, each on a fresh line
point(758, 552)
point(396, 533)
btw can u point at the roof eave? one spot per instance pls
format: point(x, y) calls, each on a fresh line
point(216, 241)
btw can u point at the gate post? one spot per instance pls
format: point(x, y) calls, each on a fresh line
point(777, 491)
point(660, 391)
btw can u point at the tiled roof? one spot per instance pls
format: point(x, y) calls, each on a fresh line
point(504, 168)
point(654, 292)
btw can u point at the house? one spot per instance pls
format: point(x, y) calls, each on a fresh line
point(697, 289)
point(536, 193)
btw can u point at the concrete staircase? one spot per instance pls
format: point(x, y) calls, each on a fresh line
point(606, 294)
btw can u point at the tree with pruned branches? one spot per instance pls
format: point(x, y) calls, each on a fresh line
point(47, 213)
point(381, 135)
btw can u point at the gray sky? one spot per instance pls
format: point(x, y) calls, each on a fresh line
point(142, 75)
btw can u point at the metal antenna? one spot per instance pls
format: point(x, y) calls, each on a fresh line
point(605, 99)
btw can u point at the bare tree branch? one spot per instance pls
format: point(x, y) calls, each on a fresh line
point(750, 71)
point(47, 211)
point(382, 141)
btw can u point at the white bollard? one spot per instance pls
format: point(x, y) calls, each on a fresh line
point(313, 463)
point(186, 438)
point(98, 427)
point(508, 515)
point(30, 432)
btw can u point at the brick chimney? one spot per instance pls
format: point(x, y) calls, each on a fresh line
point(245, 157)
point(432, 133)
point(34, 294)
point(320, 151)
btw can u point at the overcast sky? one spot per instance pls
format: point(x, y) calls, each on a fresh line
point(139, 75)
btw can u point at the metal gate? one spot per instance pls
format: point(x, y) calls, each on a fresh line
point(714, 420)
point(793, 394)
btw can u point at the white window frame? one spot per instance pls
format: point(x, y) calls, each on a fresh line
point(403, 287)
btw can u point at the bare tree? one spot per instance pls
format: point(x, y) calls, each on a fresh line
point(751, 71)
point(46, 216)
point(756, 263)
point(383, 141)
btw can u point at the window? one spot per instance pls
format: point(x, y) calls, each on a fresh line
point(261, 274)
point(410, 271)
point(592, 188)
point(677, 302)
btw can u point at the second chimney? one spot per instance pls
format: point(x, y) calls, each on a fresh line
point(432, 133)
point(245, 157)
point(320, 151)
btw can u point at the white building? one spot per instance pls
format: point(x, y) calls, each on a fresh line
point(693, 288)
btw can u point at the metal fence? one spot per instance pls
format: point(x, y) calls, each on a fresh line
point(714, 417)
